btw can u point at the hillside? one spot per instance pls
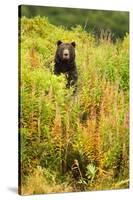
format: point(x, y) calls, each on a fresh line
point(56, 127)
point(91, 20)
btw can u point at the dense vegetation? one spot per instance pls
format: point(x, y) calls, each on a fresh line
point(116, 22)
point(57, 127)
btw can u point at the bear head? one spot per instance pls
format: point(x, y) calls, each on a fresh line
point(65, 52)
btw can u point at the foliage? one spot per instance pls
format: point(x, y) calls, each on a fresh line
point(114, 22)
point(91, 172)
point(57, 127)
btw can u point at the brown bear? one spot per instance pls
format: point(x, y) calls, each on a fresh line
point(65, 62)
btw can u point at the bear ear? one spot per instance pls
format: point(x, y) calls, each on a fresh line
point(59, 42)
point(73, 44)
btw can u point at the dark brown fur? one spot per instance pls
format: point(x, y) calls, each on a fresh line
point(68, 65)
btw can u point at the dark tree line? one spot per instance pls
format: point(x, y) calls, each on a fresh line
point(116, 22)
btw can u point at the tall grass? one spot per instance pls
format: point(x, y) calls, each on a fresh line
point(56, 128)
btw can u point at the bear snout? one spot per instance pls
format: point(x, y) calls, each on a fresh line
point(66, 54)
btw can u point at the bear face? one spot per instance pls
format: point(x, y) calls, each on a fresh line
point(65, 52)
